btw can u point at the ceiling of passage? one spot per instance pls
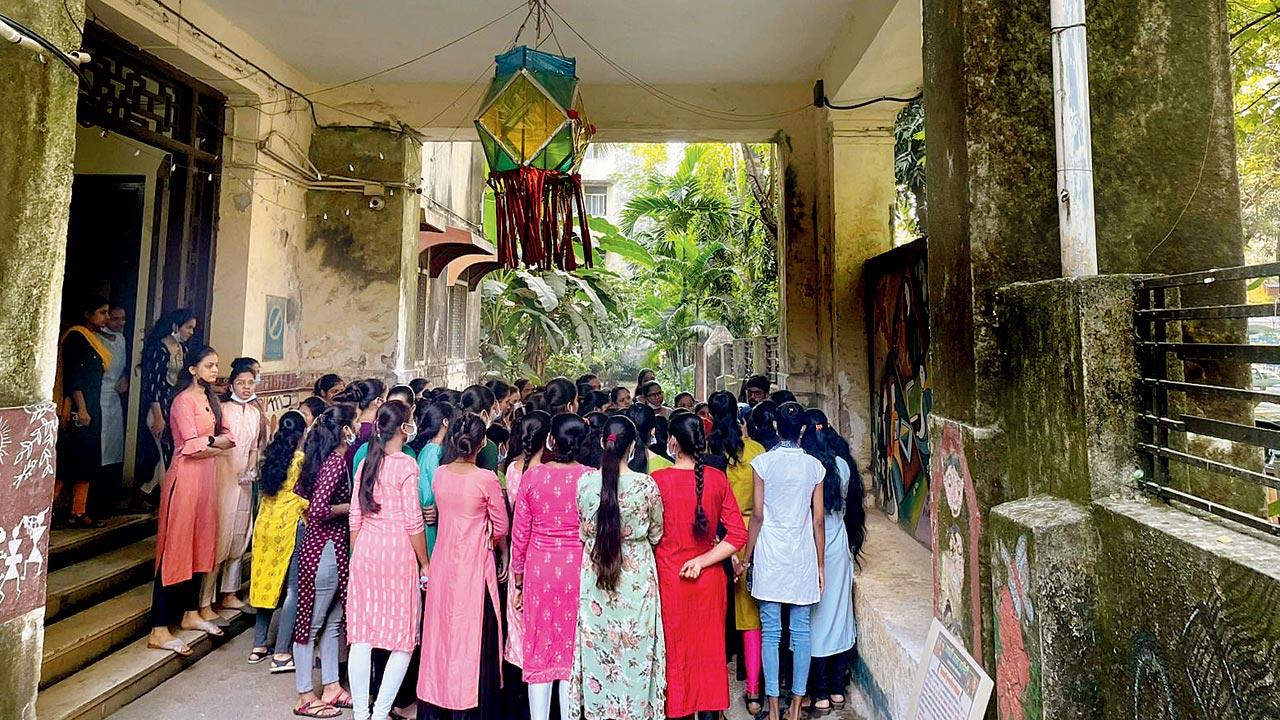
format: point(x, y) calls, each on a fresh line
point(661, 41)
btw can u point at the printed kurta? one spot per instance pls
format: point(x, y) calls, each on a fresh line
point(696, 677)
point(332, 487)
point(187, 532)
point(547, 550)
point(742, 480)
point(274, 535)
point(515, 618)
point(237, 470)
point(383, 602)
point(619, 667)
point(473, 516)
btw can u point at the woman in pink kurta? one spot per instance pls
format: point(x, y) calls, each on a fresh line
point(187, 532)
point(461, 664)
point(546, 558)
point(389, 555)
point(527, 443)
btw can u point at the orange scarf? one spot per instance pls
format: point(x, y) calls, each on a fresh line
point(63, 403)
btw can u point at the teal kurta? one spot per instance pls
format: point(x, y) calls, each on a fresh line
point(619, 664)
point(428, 461)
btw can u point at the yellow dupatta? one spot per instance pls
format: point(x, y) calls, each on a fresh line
point(63, 403)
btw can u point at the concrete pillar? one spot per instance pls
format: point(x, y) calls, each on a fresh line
point(37, 132)
point(862, 196)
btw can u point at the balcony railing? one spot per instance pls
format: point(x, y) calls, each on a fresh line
point(1164, 426)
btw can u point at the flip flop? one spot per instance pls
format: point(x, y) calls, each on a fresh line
point(207, 627)
point(343, 700)
point(317, 709)
point(282, 666)
point(174, 645)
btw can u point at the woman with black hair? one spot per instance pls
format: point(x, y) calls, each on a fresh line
point(652, 394)
point(433, 426)
point(619, 398)
point(328, 387)
point(311, 407)
point(419, 386)
point(323, 556)
point(525, 453)
point(685, 401)
point(644, 377)
point(276, 533)
point(388, 561)
point(833, 626)
point(619, 669)
point(589, 455)
point(479, 400)
point(644, 458)
point(562, 396)
point(237, 473)
point(785, 548)
point(730, 450)
point(696, 501)
point(461, 668)
point(762, 425)
point(367, 395)
point(546, 553)
point(83, 358)
point(187, 532)
point(163, 354)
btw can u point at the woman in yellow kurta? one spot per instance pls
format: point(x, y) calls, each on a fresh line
point(275, 534)
point(731, 450)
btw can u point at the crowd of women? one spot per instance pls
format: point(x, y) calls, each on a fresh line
point(513, 550)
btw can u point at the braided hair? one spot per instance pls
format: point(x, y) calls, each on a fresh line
point(529, 437)
point(568, 431)
point(391, 416)
point(687, 430)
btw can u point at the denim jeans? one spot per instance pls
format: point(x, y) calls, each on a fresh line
point(327, 626)
point(287, 612)
point(771, 636)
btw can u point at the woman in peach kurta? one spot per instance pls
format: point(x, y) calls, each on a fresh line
point(237, 471)
point(461, 666)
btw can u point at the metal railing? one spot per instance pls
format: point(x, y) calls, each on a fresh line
point(1159, 316)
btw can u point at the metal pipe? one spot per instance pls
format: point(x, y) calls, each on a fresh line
point(1074, 139)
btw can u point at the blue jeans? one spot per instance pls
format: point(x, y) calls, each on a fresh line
point(287, 611)
point(327, 626)
point(771, 636)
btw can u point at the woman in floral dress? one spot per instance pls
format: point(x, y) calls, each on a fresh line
point(619, 667)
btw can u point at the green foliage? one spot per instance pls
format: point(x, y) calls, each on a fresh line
point(909, 213)
point(1255, 63)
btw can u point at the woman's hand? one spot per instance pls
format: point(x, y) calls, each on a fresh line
point(517, 598)
point(430, 515)
point(692, 569)
point(156, 426)
point(223, 442)
point(822, 579)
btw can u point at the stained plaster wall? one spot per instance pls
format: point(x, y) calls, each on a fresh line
point(37, 132)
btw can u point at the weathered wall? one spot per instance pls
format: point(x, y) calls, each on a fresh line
point(37, 134)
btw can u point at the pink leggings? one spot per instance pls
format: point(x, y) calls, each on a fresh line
point(751, 659)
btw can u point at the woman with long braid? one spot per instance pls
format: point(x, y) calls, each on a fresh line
point(696, 500)
point(527, 445)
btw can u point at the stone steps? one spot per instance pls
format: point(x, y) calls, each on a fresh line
point(125, 675)
point(67, 547)
point(78, 640)
point(94, 579)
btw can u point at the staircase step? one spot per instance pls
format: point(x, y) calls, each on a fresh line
point(72, 545)
point(78, 640)
point(80, 584)
point(125, 675)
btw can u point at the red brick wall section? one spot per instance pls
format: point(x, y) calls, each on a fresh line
point(28, 436)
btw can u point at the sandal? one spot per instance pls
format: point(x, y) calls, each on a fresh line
point(816, 710)
point(749, 701)
point(317, 709)
point(256, 656)
point(282, 666)
point(341, 700)
point(175, 645)
point(837, 703)
point(206, 627)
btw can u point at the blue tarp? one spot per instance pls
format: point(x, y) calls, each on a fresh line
point(536, 60)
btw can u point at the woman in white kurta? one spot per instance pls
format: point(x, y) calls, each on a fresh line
point(112, 408)
point(237, 471)
point(785, 548)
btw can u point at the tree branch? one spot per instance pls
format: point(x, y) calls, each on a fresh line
point(1245, 28)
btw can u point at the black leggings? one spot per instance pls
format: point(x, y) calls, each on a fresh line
point(827, 676)
point(168, 602)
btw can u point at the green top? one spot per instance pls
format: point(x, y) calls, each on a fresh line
point(657, 462)
point(428, 462)
point(363, 453)
point(488, 457)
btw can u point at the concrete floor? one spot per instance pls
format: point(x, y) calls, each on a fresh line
point(223, 686)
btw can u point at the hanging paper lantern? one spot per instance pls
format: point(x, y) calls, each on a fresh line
point(534, 131)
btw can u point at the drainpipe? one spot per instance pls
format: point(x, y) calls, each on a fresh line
point(1076, 228)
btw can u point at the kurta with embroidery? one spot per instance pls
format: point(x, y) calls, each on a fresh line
point(473, 516)
point(237, 470)
point(547, 550)
point(187, 533)
point(384, 605)
point(275, 533)
point(332, 486)
point(696, 677)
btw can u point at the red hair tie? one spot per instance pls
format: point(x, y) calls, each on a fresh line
point(613, 437)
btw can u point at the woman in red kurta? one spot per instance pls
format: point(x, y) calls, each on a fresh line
point(187, 536)
point(696, 500)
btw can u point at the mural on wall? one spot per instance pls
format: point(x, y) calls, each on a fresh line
point(901, 396)
point(28, 436)
point(1016, 636)
point(957, 585)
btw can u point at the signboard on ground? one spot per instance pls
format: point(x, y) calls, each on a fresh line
point(950, 684)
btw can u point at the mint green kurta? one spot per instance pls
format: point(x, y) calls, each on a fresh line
point(619, 664)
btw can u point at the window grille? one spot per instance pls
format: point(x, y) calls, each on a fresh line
point(457, 321)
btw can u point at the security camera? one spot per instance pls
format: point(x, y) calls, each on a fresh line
point(377, 203)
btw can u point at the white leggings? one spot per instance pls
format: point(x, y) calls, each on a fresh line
point(540, 700)
point(359, 667)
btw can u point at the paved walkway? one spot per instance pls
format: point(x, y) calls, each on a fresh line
point(223, 686)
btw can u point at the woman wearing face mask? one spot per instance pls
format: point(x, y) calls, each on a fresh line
point(545, 557)
point(237, 472)
point(643, 458)
point(388, 561)
point(479, 400)
point(186, 535)
point(433, 420)
point(368, 395)
point(322, 560)
point(696, 500)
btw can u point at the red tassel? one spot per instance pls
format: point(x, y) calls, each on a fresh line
point(535, 210)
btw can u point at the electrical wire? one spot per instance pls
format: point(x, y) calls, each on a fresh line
point(48, 45)
point(885, 98)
